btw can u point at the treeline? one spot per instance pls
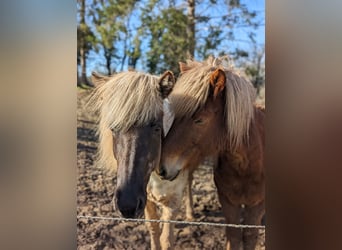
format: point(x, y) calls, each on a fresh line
point(158, 34)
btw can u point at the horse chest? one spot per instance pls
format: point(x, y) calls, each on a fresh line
point(164, 191)
point(240, 181)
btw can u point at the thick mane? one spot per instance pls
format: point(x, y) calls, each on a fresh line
point(127, 99)
point(192, 90)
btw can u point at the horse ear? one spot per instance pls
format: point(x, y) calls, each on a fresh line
point(166, 83)
point(98, 79)
point(217, 81)
point(183, 67)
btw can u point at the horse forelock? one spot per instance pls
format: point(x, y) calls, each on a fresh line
point(127, 99)
point(192, 90)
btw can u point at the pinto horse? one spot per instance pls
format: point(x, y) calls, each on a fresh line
point(131, 127)
point(215, 115)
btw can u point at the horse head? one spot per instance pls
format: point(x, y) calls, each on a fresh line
point(132, 107)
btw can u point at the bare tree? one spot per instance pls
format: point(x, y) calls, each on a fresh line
point(191, 28)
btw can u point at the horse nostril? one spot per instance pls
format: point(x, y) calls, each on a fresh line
point(128, 213)
point(162, 171)
point(140, 205)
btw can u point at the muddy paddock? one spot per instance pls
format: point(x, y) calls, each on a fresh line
point(95, 190)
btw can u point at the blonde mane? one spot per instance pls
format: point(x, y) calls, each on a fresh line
point(192, 90)
point(127, 99)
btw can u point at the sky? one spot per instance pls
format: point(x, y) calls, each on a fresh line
point(96, 61)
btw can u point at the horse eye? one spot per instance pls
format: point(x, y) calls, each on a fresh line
point(198, 120)
point(156, 127)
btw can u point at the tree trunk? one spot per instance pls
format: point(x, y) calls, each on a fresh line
point(191, 28)
point(134, 62)
point(83, 79)
point(78, 62)
point(123, 60)
point(83, 54)
point(108, 62)
point(78, 77)
point(259, 78)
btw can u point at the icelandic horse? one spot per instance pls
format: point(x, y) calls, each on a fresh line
point(214, 114)
point(131, 130)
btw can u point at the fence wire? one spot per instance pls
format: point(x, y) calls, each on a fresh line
point(190, 223)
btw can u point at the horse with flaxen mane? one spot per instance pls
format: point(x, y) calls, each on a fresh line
point(131, 128)
point(215, 115)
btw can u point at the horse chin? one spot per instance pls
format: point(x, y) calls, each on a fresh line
point(173, 177)
point(139, 214)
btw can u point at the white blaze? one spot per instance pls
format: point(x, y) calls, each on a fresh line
point(168, 117)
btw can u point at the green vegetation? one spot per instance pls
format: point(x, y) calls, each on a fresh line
point(157, 34)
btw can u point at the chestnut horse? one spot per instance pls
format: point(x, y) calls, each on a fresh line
point(215, 115)
point(131, 127)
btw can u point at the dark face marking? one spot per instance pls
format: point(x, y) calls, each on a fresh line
point(138, 153)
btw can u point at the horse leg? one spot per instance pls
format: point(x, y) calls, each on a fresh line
point(253, 216)
point(189, 212)
point(167, 237)
point(154, 229)
point(232, 215)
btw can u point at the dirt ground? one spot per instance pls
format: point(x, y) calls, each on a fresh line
point(95, 192)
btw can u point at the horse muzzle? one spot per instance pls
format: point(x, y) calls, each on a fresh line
point(129, 206)
point(164, 175)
